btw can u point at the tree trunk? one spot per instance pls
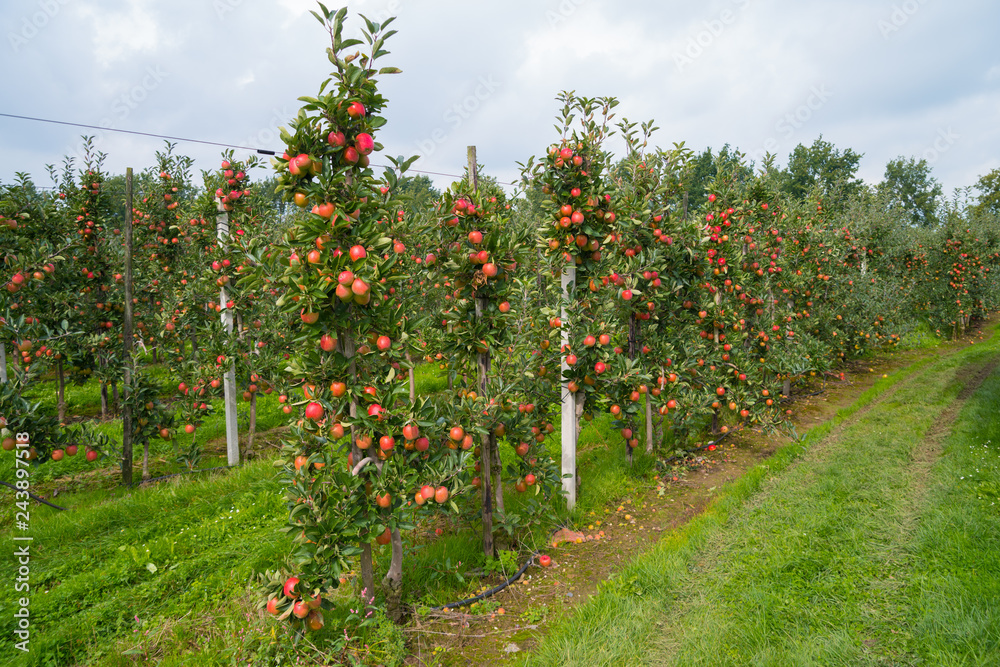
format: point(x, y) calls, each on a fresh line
point(104, 400)
point(367, 571)
point(145, 460)
point(486, 450)
point(786, 388)
point(61, 402)
point(3, 363)
point(194, 347)
point(392, 583)
point(115, 403)
point(649, 423)
point(413, 379)
point(497, 470)
point(252, 428)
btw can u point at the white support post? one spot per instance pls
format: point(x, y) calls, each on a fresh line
point(568, 400)
point(3, 364)
point(229, 379)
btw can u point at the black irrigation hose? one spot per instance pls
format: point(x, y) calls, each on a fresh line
point(186, 472)
point(493, 591)
point(34, 497)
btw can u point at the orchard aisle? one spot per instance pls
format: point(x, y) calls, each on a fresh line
point(879, 545)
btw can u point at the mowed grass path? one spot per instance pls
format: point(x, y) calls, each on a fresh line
point(875, 541)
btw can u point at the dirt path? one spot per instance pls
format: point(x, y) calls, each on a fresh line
point(517, 619)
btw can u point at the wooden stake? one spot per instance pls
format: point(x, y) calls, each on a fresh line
point(568, 400)
point(127, 334)
point(229, 379)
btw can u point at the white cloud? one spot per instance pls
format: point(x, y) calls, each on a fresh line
point(117, 35)
point(229, 76)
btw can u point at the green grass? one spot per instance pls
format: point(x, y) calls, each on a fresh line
point(91, 575)
point(952, 595)
point(816, 563)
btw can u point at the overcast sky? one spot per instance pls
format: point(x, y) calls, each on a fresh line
point(886, 78)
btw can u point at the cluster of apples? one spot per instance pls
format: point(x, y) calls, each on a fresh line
point(235, 186)
point(307, 608)
point(579, 218)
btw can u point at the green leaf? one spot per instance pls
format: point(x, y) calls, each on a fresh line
point(151, 567)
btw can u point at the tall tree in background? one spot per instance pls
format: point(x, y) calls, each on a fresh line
point(909, 185)
point(989, 194)
point(823, 167)
point(704, 167)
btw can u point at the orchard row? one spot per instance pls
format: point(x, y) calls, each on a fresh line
point(682, 321)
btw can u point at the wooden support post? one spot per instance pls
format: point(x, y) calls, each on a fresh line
point(127, 338)
point(229, 379)
point(568, 399)
point(486, 456)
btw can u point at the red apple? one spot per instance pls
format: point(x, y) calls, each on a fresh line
point(289, 588)
point(364, 143)
point(336, 139)
point(356, 110)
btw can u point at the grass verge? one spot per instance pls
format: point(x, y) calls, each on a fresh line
point(798, 568)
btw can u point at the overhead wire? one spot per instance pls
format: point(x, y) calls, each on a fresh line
point(259, 151)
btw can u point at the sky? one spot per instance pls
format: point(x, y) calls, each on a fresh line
point(886, 78)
